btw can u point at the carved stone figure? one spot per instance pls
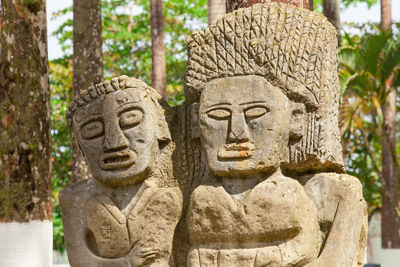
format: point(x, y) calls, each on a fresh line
point(264, 92)
point(244, 134)
point(252, 159)
point(126, 214)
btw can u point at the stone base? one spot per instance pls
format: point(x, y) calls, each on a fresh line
point(26, 244)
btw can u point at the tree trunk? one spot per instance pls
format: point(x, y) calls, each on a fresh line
point(311, 5)
point(215, 10)
point(158, 71)
point(390, 197)
point(25, 150)
point(87, 64)
point(331, 10)
point(386, 14)
point(390, 172)
point(232, 5)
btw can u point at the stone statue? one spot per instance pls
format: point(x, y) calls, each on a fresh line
point(252, 160)
point(264, 92)
point(127, 213)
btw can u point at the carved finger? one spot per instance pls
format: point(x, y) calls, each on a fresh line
point(149, 258)
point(146, 250)
point(144, 255)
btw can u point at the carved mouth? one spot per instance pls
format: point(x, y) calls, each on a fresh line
point(236, 151)
point(118, 160)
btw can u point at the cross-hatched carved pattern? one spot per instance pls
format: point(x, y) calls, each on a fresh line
point(278, 41)
point(232, 5)
point(294, 49)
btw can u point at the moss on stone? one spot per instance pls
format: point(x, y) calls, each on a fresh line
point(33, 5)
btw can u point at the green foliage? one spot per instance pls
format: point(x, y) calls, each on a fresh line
point(318, 3)
point(33, 5)
point(366, 64)
point(61, 94)
point(127, 39)
point(350, 2)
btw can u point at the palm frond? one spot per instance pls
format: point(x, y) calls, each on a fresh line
point(372, 47)
point(360, 84)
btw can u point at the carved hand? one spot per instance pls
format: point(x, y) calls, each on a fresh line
point(141, 256)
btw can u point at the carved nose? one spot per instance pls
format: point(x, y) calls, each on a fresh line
point(114, 139)
point(238, 129)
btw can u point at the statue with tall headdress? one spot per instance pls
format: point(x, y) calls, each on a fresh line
point(264, 92)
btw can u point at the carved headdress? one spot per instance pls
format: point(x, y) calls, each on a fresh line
point(294, 49)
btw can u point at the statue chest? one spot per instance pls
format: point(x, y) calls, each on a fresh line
point(265, 214)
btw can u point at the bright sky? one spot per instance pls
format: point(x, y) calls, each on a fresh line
point(358, 14)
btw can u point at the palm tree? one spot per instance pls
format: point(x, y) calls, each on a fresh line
point(390, 170)
point(88, 64)
point(386, 14)
point(216, 9)
point(331, 9)
point(25, 147)
point(369, 73)
point(158, 72)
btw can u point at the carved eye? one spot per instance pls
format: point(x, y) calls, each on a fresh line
point(130, 118)
point(92, 129)
point(255, 112)
point(297, 113)
point(219, 114)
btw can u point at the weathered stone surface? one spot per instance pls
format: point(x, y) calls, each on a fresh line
point(126, 214)
point(252, 160)
point(295, 50)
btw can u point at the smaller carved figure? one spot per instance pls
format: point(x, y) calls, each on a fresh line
point(126, 214)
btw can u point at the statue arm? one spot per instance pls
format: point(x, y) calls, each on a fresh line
point(340, 202)
point(155, 219)
point(79, 255)
point(303, 248)
point(299, 250)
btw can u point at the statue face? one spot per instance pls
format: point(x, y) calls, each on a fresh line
point(116, 132)
point(244, 125)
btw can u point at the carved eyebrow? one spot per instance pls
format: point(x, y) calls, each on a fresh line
point(88, 118)
point(253, 102)
point(128, 105)
point(219, 104)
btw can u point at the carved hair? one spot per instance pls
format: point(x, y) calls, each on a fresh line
point(236, 4)
point(123, 82)
point(294, 49)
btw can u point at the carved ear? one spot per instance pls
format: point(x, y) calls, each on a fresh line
point(163, 134)
point(297, 120)
point(83, 154)
point(301, 93)
point(194, 122)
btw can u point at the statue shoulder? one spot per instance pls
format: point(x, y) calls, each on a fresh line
point(161, 200)
point(335, 183)
point(76, 192)
point(204, 194)
point(328, 190)
point(164, 194)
